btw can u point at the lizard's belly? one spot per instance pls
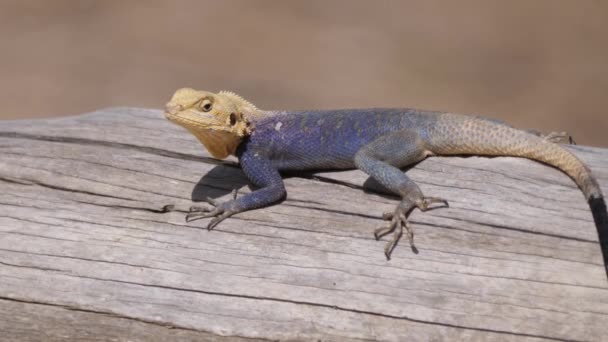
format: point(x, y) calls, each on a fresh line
point(315, 148)
point(315, 157)
point(320, 164)
point(308, 152)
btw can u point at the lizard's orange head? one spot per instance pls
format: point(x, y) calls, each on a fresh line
point(219, 121)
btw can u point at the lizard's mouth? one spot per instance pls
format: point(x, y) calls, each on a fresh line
point(190, 118)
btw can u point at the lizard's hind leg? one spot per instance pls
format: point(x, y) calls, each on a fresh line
point(554, 137)
point(381, 160)
point(559, 138)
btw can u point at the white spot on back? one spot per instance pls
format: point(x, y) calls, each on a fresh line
point(278, 126)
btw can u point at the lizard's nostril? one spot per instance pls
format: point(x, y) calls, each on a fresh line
point(172, 108)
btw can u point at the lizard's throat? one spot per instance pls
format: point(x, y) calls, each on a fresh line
point(220, 144)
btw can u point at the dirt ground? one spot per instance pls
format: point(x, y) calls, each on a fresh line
point(537, 64)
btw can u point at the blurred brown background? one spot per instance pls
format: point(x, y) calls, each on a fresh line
point(536, 64)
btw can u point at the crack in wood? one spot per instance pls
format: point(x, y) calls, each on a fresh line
point(521, 230)
point(84, 259)
point(63, 188)
point(99, 164)
point(104, 143)
point(120, 316)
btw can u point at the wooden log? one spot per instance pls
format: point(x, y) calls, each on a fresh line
point(93, 243)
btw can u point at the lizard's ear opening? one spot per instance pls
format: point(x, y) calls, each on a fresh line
point(239, 124)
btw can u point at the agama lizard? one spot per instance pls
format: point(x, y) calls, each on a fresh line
point(377, 141)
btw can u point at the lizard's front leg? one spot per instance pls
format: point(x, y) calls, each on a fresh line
point(381, 159)
point(262, 174)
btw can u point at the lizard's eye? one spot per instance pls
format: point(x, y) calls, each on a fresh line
point(206, 105)
point(232, 119)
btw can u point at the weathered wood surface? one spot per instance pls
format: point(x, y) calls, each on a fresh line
point(89, 251)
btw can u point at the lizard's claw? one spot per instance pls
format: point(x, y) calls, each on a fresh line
point(219, 213)
point(197, 213)
point(425, 203)
point(219, 218)
point(398, 222)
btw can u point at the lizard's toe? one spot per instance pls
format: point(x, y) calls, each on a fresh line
point(220, 212)
point(198, 212)
point(219, 218)
point(387, 215)
point(212, 201)
point(201, 214)
point(398, 221)
point(397, 225)
point(425, 203)
point(196, 208)
point(386, 229)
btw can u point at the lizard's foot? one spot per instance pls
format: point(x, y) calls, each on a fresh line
point(398, 221)
point(559, 138)
point(220, 212)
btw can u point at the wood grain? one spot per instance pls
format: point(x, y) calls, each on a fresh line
point(93, 245)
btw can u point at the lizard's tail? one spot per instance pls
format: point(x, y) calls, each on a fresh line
point(456, 134)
